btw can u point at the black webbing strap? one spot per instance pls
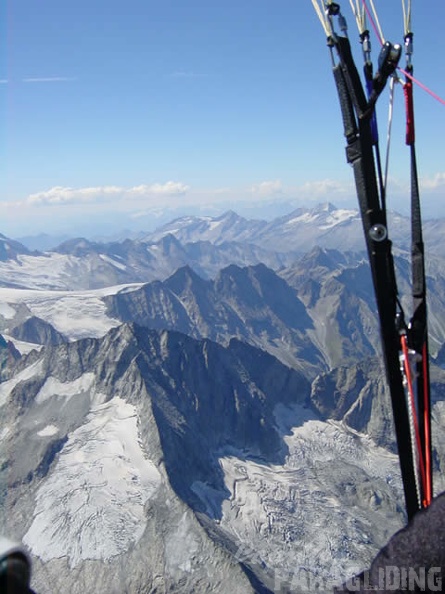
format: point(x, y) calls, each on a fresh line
point(359, 151)
point(418, 329)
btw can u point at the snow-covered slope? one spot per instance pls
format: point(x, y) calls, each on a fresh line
point(142, 460)
point(92, 506)
point(81, 264)
point(324, 226)
point(106, 440)
point(75, 314)
point(147, 461)
point(204, 243)
point(299, 230)
point(318, 516)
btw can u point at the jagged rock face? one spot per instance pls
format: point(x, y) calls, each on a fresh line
point(150, 461)
point(8, 357)
point(105, 441)
point(195, 424)
point(357, 395)
point(252, 304)
point(324, 317)
point(440, 359)
point(337, 290)
point(37, 331)
point(10, 249)
point(80, 264)
point(301, 230)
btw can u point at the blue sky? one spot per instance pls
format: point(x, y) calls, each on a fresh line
point(119, 114)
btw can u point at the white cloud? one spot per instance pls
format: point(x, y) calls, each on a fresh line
point(434, 183)
point(63, 205)
point(267, 188)
point(47, 79)
point(326, 188)
point(170, 188)
point(62, 195)
point(185, 74)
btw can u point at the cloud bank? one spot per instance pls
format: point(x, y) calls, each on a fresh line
point(47, 79)
point(62, 195)
point(63, 207)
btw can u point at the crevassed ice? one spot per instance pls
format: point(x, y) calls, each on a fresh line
point(92, 504)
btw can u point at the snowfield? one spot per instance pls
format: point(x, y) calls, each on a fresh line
point(92, 504)
point(7, 386)
point(48, 270)
point(293, 517)
point(75, 314)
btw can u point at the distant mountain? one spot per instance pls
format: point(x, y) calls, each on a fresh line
point(42, 242)
point(315, 315)
point(11, 250)
point(252, 304)
point(224, 228)
point(205, 244)
point(37, 331)
point(211, 416)
point(337, 289)
point(324, 226)
point(300, 230)
point(83, 264)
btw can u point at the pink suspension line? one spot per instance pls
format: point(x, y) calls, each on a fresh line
point(407, 74)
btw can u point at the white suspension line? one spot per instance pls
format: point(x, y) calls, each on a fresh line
point(392, 82)
point(322, 17)
point(406, 7)
point(376, 18)
point(359, 14)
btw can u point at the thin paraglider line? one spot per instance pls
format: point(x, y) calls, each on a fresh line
point(377, 29)
point(422, 86)
point(379, 35)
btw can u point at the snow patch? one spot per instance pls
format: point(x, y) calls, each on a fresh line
point(33, 271)
point(23, 347)
point(54, 387)
point(7, 387)
point(337, 218)
point(113, 262)
point(181, 547)
point(75, 317)
point(292, 515)
point(4, 432)
point(307, 218)
point(6, 311)
point(214, 224)
point(325, 220)
point(75, 314)
point(48, 431)
point(92, 504)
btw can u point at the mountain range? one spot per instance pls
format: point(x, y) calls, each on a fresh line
point(203, 409)
point(206, 244)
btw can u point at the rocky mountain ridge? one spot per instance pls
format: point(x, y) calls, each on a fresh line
point(220, 428)
point(223, 464)
point(207, 244)
point(315, 315)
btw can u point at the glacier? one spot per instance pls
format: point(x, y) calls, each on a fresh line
point(92, 505)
